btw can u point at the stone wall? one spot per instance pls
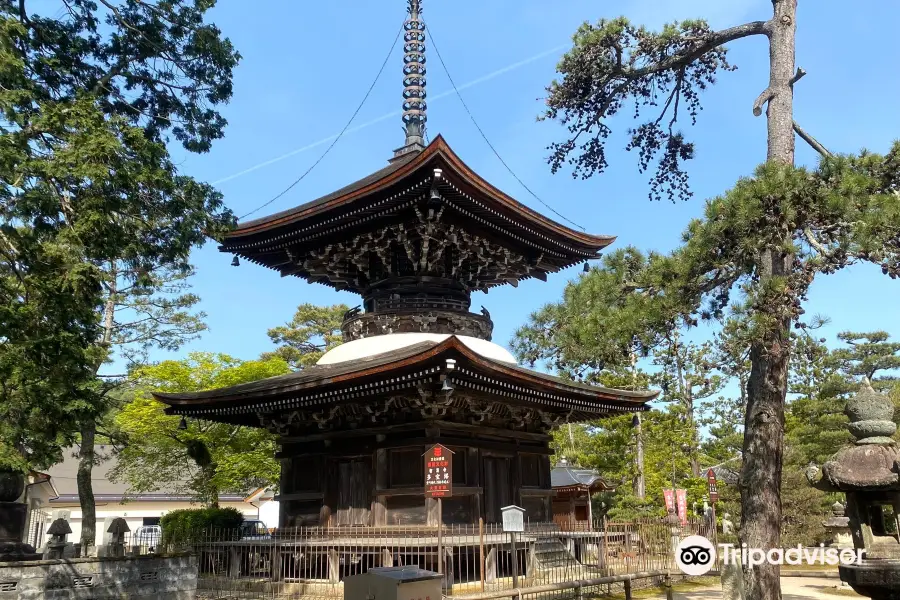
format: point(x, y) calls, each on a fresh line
point(159, 578)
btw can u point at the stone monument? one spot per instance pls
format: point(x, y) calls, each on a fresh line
point(727, 525)
point(869, 474)
point(837, 528)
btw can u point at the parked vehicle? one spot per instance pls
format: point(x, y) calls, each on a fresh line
point(255, 530)
point(147, 536)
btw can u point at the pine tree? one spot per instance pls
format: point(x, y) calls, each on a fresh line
point(766, 238)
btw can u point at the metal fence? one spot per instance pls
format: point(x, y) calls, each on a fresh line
point(313, 561)
point(38, 522)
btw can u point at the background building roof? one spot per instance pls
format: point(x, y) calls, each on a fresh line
point(64, 479)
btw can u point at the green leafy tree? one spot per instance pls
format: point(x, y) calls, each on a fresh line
point(90, 101)
point(767, 238)
point(141, 311)
point(205, 458)
point(686, 374)
point(312, 332)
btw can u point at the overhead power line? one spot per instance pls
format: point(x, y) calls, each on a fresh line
point(395, 113)
point(484, 136)
point(339, 135)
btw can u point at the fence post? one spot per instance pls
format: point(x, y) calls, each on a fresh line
point(515, 561)
point(668, 582)
point(440, 548)
point(481, 548)
point(628, 589)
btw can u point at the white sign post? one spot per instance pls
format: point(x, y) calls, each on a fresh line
point(514, 522)
point(513, 518)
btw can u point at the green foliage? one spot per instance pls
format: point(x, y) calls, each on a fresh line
point(312, 332)
point(206, 458)
point(90, 200)
point(804, 507)
point(179, 525)
point(598, 325)
point(869, 353)
point(615, 65)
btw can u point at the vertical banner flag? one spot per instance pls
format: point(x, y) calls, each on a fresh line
point(669, 496)
point(681, 500)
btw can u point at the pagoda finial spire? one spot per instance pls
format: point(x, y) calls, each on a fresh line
point(414, 106)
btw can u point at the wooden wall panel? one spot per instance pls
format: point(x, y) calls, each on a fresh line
point(405, 510)
point(406, 468)
point(531, 470)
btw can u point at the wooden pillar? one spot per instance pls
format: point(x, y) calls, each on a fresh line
point(334, 566)
point(449, 577)
point(590, 512)
point(329, 491)
point(382, 482)
point(490, 565)
point(515, 476)
point(432, 508)
point(531, 565)
point(473, 479)
point(276, 563)
point(234, 562)
point(573, 517)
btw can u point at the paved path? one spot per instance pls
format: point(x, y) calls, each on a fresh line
point(792, 588)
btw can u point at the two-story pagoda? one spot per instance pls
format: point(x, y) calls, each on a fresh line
point(417, 366)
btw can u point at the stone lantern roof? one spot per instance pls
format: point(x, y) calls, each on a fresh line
point(873, 462)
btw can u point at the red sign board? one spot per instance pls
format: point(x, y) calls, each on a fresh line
point(712, 486)
point(438, 472)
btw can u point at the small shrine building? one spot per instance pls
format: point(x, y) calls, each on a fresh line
point(417, 367)
point(572, 490)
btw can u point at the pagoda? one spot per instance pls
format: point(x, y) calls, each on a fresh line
point(417, 366)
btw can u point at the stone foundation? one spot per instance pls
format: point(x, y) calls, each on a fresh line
point(159, 578)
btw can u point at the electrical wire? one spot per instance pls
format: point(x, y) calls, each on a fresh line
point(484, 136)
point(339, 136)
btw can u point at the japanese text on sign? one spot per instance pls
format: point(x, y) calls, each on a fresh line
point(438, 472)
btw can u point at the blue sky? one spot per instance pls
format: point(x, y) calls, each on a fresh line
point(307, 65)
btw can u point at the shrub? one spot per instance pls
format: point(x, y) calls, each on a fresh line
point(182, 526)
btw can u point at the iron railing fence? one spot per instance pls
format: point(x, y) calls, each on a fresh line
point(38, 523)
point(309, 562)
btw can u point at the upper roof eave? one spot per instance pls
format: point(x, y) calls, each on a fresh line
point(395, 172)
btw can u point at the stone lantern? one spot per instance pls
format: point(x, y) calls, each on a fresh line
point(58, 532)
point(837, 527)
point(869, 474)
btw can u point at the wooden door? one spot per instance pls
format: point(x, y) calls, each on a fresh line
point(497, 487)
point(354, 491)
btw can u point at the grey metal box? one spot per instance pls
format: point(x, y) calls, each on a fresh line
point(394, 583)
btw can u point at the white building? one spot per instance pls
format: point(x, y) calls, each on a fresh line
point(54, 494)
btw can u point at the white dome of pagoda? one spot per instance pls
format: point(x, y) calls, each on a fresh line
point(379, 344)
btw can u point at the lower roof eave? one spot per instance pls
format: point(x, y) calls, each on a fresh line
point(408, 368)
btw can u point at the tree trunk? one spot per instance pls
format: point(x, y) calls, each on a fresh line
point(639, 483)
point(769, 353)
point(695, 439)
point(88, 429)
point(85, 491)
